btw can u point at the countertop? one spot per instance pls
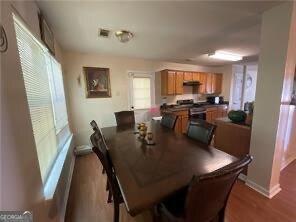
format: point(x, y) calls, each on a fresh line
point(177, 108)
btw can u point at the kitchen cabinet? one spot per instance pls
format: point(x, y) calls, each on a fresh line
point(182, 121)
point(212, 113)
point(203, 80)
point(213, 83)
point(179, 83)
point(232, 138)
point(217, 83)
point(171, 82)
point(187, 76)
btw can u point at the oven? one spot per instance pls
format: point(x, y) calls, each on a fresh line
point(197, 113)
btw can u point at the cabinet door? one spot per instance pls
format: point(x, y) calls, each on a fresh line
point(217, 83)
point(195, 76)
point(184, 124)
point(209, 116)
point(171, 81)
point(203, 81)
point(187, 76)
point(179, 83)
point(209, 84)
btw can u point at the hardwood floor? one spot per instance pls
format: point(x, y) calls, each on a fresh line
point(87, 199)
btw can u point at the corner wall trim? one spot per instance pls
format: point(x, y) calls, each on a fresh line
point(267, 193)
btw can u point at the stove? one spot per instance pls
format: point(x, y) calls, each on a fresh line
point(196, 110)
point(185, 102)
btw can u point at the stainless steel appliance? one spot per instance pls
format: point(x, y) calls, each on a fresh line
point(195, 111)
point(215, 99)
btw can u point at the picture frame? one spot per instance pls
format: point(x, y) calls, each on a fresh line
point(97, 82)
point(46, 34)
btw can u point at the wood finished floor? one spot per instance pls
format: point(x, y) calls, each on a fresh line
point(87, 198)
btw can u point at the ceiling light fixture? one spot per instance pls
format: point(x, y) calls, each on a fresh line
point(225, 56)
point(124, 36)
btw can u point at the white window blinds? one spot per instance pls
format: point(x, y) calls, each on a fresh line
point(58, 95)
point(34, 63)
point(141, 92)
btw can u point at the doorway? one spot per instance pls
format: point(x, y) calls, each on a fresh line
point(141, 94)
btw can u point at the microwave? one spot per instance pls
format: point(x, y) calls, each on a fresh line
point(215, 99)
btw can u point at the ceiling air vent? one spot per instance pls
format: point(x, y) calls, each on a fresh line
point(104, 33)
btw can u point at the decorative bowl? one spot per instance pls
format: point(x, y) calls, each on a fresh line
point(237, 116)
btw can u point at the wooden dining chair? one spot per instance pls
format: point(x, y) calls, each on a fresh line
point(206, 198)
point(99, 148)
point(95, 128)
point(125, 118)
point(201, 131)
point(168, 120)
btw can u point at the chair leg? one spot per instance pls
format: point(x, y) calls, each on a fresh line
point(221, 215)
point(107, 186)
point(116, 212)
point(109, 197)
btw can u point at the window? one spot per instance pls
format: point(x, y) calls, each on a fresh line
point(141, 93)
point(45, 95)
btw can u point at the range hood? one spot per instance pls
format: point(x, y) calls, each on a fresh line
point(191, 83)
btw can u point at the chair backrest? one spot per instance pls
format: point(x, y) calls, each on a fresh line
point(100, 149)
point(125, 118)
point(201, 131)
point(208, 194)
point(94, 125)
point(169, 120)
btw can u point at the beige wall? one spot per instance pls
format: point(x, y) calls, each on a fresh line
point(83, 110)
point(21, 183)
point(268, 124)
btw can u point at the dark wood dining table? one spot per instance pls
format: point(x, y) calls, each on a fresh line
point(147, 174)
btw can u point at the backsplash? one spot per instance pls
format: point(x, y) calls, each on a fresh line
point(187, 94)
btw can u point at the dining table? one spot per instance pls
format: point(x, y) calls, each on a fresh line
point(147, 174)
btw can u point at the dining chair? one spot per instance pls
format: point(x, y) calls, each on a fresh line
point(201, 131)
point(168, 120)
point(125, 118)
point(95, 128)
point(99, 148)
point(206, 197)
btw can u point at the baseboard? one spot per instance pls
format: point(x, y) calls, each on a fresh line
point(68, 186)
point(242, 177)
point(267, 193)
point(287, 162)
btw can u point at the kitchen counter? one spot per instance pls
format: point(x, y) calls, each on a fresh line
point(177, 108)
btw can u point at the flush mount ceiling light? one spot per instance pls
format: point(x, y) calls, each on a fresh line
point(225, 56)
point(124, 36)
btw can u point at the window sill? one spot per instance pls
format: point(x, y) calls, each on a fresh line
point(54, 176)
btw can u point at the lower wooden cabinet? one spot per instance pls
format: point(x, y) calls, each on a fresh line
point(182, 121)
point(215, 112)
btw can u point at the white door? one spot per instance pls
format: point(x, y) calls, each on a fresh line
point(141, 94)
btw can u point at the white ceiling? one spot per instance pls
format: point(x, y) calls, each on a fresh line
point(168, 31)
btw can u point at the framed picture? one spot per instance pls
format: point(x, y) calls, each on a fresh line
point(97, 82)
point(46, 34)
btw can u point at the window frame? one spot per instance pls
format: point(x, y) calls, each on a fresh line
point(141, 74)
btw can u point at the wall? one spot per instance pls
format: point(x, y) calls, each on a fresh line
point(83, 110)
point(270, 119)
point(21, 183)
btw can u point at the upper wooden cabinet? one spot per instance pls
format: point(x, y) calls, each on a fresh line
point(179, 83)
point(172, 82)
point(213, 83)
point(217, 83)
point(187, 76)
